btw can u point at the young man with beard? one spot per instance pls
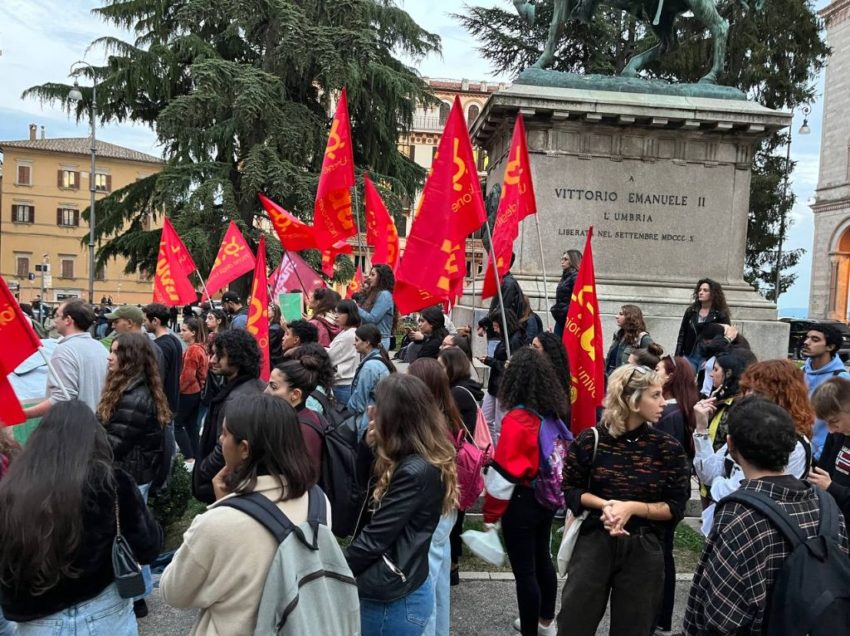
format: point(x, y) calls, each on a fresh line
point(820, 349)
point(236, 357)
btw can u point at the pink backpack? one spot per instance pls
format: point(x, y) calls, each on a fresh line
point(470, 468)
point(482, 438)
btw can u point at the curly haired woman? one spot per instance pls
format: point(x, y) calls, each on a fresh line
point(634, 482)
point(378, 307)
point(779, 381)
point(709, 305)
point(631, 335)
point(529, 390)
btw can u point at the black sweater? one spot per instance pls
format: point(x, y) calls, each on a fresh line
point(93, 560)
point(466, 394)
point(835, 459)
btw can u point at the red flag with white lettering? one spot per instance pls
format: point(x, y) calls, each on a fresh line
point(171, 284)
point(583, 342)
point(258, 310)
point(234, 259)
point(332, 218)
point(515, 203)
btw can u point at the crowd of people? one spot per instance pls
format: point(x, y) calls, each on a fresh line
point(122, 401)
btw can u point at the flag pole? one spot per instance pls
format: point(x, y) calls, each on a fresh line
point(357, 220)
point(543, 266)
point(295, 269)
point(203, 286)
point(505, 335)
point(52, 371)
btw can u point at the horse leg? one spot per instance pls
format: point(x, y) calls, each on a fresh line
point(717, 25)
point(556, 30)
point(526, 11)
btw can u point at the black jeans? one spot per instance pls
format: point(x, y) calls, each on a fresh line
point(629, 570)
point(455, 540)
point(665, 616)
point(527, 530)
point(187, 426)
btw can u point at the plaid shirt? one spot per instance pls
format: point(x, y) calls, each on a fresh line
point(742, 556)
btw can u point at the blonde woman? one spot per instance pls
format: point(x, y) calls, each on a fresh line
point(415, 483)
point(637, 485)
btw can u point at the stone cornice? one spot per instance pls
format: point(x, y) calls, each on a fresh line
point(835, 13)
point(830, 205)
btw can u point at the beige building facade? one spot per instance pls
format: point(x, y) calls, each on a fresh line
point(44, 190)
point(831, 246)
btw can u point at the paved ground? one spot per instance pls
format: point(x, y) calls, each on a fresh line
point(479, 607)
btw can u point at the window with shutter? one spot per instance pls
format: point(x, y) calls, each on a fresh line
point(23, 213)
point(102, 182)
point(68, 179)
point(67, 268)
point(472, 113)
point(100, 273)
point(67, 217)
point(24, 175)
point(23, 267)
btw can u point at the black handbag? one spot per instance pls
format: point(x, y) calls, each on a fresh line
point(128, 572)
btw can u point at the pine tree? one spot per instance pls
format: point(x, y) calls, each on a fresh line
point(239, 93)
point(773, 56)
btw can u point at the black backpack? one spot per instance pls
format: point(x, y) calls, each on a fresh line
point(339, 466)
point(811, 594)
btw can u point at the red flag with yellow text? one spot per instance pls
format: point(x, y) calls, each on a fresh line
point(332, 219)
point(171, 284)
point(434, 264)
point(234, 259)
point(258, 310)
point(583, 342)
point(515, 203)
point(294, 234)
point(18, 342)
point(329, 256)
point(381, 232)
point(356, 283)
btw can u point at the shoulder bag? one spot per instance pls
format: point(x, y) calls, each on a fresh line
point(572, 524)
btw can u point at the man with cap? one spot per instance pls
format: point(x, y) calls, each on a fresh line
point(232, 304)
point(129, 319)
point(820, 349)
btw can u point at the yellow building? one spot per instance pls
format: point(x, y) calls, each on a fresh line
point(44, 189)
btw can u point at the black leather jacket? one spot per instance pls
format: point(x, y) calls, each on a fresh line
point(389, 558)
point(691, 329)
point(563, 292)
point(135, 434)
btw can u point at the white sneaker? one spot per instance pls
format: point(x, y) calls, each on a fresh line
point(542, 630)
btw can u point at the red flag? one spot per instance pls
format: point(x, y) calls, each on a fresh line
point(294, 274)
point(234, 259)
point(294, 234)
point(18, 341)
point(356, 283)
point(258, 310)
point(515, 203)
point(329, 256)
point(583, 342)
point(332, 220)
point(451, 207)
point(380, 227)
point(171, 284)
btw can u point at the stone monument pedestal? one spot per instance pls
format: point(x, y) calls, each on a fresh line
point(664, 180)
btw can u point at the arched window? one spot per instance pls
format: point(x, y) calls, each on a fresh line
point(445, 108)
point(472, 113)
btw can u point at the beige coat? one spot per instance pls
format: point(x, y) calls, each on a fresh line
point(222, 565)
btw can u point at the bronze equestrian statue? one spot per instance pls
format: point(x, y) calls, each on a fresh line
point(660, 14)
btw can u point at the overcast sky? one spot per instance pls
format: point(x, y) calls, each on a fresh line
point(40, 40)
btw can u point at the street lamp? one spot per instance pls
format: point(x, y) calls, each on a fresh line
point(75, 95)
point(804, 130)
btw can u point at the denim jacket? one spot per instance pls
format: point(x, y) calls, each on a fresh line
point(381, 314)
point(363, 387)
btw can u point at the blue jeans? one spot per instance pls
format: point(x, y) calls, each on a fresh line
point(146, 569)
point(342, 392)
point(106, 613)
point(7, 628)
point(385, 342)
point(439, 567)
point(405, 617)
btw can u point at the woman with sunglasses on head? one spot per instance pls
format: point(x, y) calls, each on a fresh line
point(415, 483)
point(638, 483)
point(779, 381)
point(58, 507)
